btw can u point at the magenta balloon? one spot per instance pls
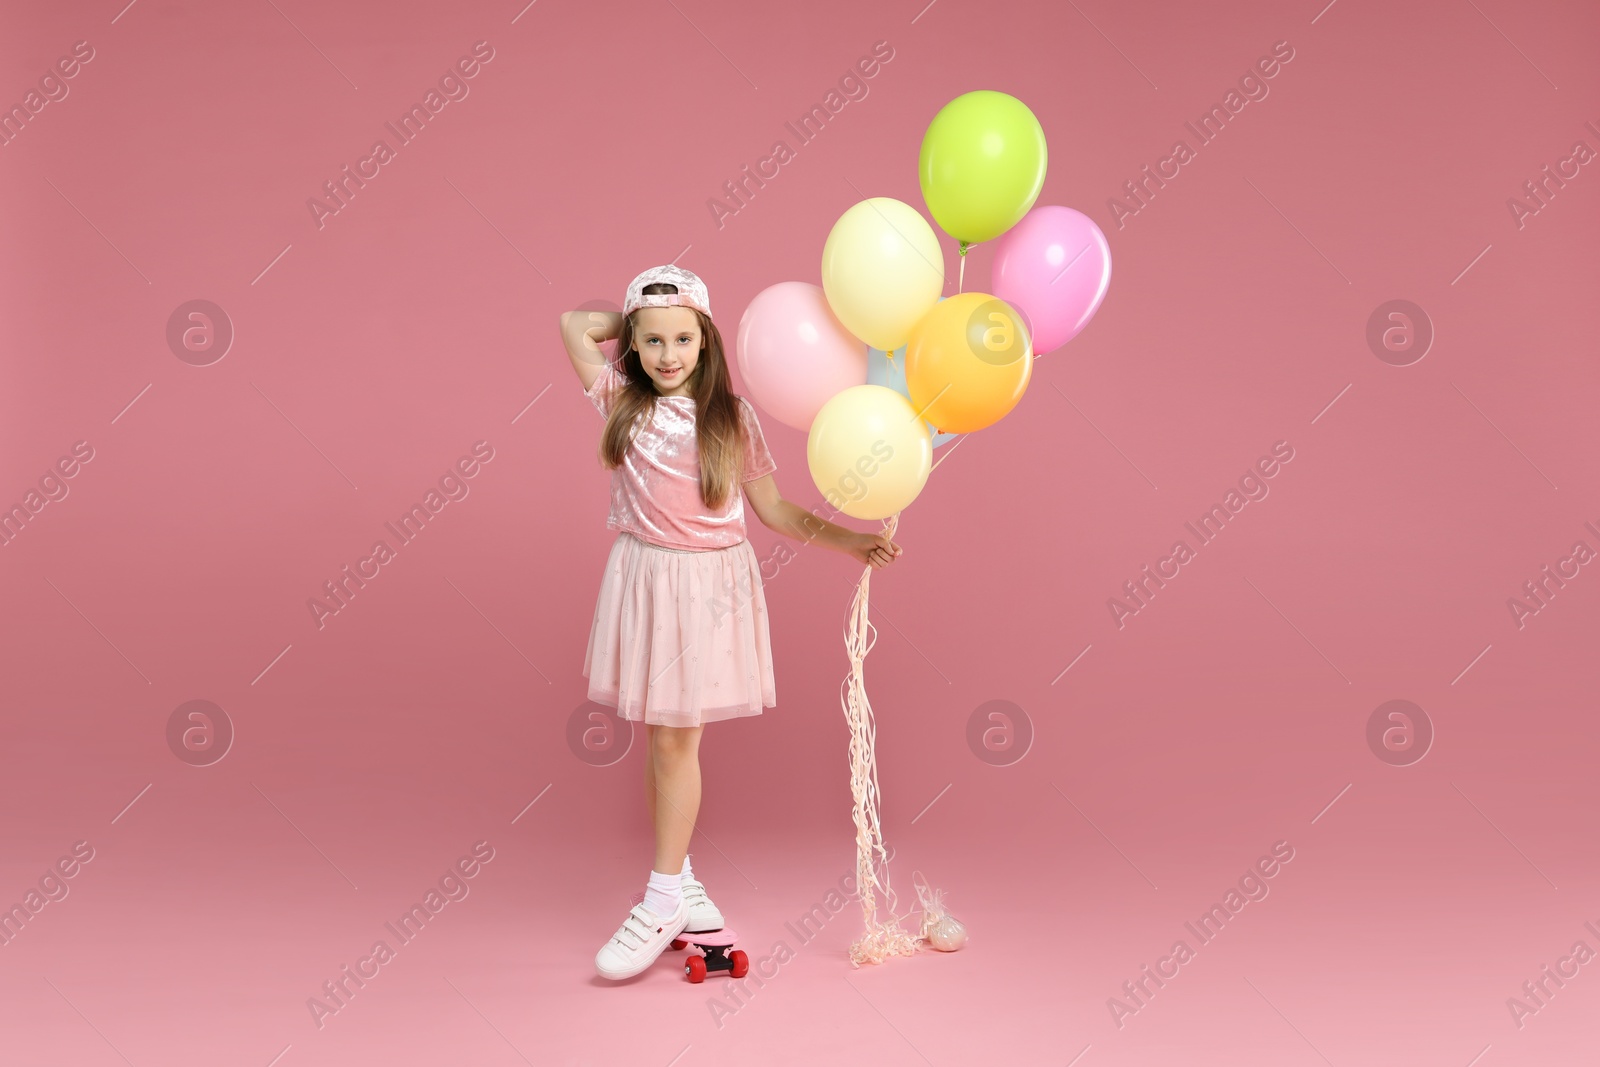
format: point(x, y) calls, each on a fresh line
point(1054, 266)
point(794, 355)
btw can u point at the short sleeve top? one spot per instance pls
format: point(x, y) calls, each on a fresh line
point(655, 492)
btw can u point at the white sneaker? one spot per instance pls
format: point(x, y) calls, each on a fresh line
point(638, 941)
point(703, 915)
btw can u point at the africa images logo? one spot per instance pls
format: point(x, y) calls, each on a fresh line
point(452, 84)
point(1253, 87)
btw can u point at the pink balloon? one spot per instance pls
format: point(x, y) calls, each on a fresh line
point(1054, 266)
point(794, 355)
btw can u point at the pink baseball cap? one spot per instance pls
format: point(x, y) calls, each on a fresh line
point(691, 290)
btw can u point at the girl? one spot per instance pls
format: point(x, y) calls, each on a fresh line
point(680, 635)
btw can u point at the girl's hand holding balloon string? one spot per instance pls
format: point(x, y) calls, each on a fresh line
point(791, 520)
point(874, 549)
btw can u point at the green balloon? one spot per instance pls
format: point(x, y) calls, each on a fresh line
point(982, 165)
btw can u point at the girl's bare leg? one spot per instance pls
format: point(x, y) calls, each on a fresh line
point(650, 771)
point(675, 798)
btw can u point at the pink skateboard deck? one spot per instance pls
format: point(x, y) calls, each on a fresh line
point(717, 958)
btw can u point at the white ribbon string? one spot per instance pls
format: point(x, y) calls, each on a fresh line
point(885, 939)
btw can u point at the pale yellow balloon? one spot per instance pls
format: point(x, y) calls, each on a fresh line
point(882, 269)
point(869, 452)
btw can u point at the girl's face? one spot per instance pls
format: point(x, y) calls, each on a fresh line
point(668, 340)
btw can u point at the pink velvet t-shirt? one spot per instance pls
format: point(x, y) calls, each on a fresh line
point(655, 493)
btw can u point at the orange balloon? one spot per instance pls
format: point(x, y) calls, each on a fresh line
point(968, 362)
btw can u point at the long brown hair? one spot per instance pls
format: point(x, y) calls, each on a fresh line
point(718, 429)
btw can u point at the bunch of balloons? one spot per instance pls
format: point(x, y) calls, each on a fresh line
point(875, 364)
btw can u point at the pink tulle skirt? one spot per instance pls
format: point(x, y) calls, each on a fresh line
point(680, 636)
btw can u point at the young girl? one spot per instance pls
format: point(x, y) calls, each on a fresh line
point(680, 635)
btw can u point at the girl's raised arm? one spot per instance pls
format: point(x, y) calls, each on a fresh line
point(582, 332)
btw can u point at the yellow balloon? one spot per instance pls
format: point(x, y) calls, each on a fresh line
point(869, 453)
point(968, 362)
point(882, 269)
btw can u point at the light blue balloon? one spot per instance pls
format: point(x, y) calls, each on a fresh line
point(881, 370)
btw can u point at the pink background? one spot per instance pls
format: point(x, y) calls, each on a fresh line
point(1229, 714)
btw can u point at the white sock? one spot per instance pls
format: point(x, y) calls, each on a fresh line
point(663, 893)
point(688, 871)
